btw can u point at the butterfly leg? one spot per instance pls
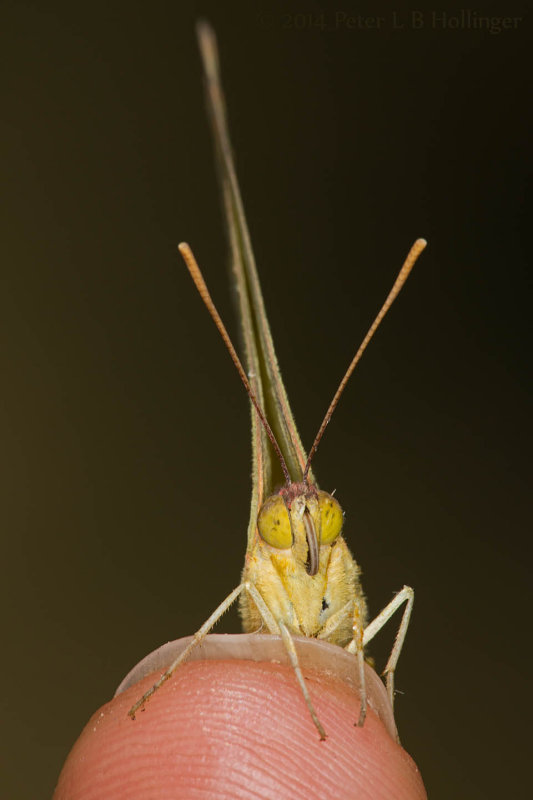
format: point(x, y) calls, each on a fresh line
point(407, 596)
point(295, 664)
point(197, 638)
point(264, 611)
point(332, 623)
point(357, 646)
point(200, 634)
point(276, 627)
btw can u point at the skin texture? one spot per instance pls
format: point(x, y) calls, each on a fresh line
point(237, 729)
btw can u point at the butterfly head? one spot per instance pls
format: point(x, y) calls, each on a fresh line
point(302, 518)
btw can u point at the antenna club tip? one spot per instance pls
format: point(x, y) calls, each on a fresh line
point(183, 247)
point(204, 28)
point(421, 243)
point(208, 49)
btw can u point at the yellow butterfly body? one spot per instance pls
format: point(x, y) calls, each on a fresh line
point(319, 605)
point(299, 577)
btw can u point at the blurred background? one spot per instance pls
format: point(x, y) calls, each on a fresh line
point(125, 468)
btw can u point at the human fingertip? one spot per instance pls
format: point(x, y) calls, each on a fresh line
point(242, 727)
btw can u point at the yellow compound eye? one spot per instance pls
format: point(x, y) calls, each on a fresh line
point(331, 518)
point(274, 523)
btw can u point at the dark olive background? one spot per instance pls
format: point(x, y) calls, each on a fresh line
point(125, 446)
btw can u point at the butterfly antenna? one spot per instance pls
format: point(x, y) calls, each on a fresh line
point(199, 282)
point(408, 265)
